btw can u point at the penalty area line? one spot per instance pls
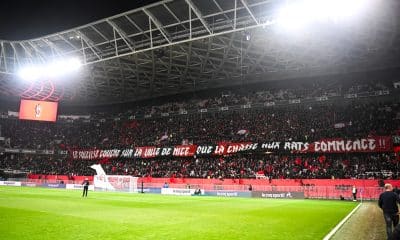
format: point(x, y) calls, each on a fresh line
point(337, 227)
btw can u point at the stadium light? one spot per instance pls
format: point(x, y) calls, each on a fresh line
point(53, 69)
point(248, 36)
point(298, 14)
point(30, 73)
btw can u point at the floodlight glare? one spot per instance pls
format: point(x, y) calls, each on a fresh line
point(73, 64)
point(56, 68)
point(30, 73)
point(293, 16)
point(298, 14)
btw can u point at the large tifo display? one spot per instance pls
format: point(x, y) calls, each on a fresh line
point(38, 110)
point(114, 183)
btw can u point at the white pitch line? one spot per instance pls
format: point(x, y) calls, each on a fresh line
point(331, 233)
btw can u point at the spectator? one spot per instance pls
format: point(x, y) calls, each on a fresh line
point(388, 201)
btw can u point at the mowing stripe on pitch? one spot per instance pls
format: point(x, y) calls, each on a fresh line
point(331, 233)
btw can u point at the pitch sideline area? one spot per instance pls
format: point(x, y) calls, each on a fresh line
point(34, 213)
point(366, 223)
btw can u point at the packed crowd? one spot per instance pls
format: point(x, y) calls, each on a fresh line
point(274, 166)
point(293, 122)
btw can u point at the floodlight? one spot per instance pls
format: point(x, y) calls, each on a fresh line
point(61, 67)
point(293, 16)
point(53, 69)
point(248, 36)
point(30, 73)
point(73, 64)
point(298, 14)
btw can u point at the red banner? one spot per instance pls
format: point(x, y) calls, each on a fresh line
point(338, 145)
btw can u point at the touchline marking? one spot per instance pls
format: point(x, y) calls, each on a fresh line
point(331, 233)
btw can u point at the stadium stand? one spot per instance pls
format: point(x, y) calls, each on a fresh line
point(232, 121)
point(276, 166)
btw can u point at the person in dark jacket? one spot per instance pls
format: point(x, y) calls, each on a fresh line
point(85, 187)
point(354, 192)
point(388, 201)
point(396, 233)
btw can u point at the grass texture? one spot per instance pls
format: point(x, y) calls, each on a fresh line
point(37, 213)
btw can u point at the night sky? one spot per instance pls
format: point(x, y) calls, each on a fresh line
point(26, 19)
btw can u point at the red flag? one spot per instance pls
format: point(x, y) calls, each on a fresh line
point(104, 161)
point(297, 161)
point(132, 124)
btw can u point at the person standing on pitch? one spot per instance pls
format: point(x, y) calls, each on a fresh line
point(85, 187)
point(354, 192)
point(388, 201)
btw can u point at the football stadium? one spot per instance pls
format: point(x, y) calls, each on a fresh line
point(202, 119)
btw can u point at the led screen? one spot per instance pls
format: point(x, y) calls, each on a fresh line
point(38, 110)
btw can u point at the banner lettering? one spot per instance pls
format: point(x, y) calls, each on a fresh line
point(339, 145)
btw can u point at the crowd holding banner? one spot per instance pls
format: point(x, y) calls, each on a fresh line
point(338, 145)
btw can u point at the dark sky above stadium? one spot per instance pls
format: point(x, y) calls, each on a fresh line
point(24, 19)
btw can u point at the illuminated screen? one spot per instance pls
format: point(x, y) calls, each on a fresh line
point(38, 110)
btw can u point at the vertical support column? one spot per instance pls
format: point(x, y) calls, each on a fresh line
point(1, 55)
point(151, 33)
point(83, 48)
point(190, 21)
point(234, 15)
point(15, 57)
point(115, 42)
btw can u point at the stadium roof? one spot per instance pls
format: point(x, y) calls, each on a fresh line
point(184, 45)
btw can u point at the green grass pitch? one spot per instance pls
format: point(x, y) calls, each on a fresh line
point(36, 213)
